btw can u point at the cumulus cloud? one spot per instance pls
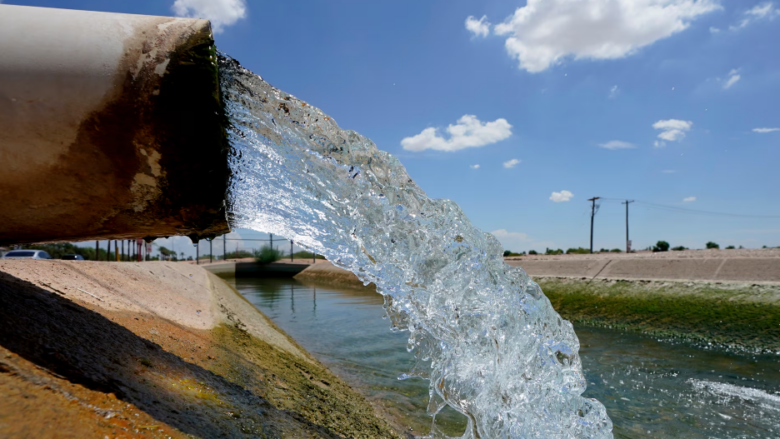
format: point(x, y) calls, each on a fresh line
point(545, 32)
point(732, 79)
point(763, 11)
point(714, 30)
point(480, 28)
point(221, 13)
point(511, 163)
point(474, 166)
point(469, 132)
point(672, 130)
point(765, 130)
point(617, 144)
point(689, 199)
point(562, 196)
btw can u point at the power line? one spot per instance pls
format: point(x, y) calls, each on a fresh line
point(693, 211)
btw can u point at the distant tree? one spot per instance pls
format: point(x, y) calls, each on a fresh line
point(712, 245)
point(679, 248)
point(507, 253)
point(577, 251)
point(267, 254)
point(532, 252)
point(661, 246)
point(166, 253)
point(550, 251)
point(616, 250)
point(730, 247)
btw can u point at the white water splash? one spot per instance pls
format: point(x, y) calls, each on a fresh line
point(483, 333)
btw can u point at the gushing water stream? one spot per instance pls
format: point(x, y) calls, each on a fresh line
point(482, 332)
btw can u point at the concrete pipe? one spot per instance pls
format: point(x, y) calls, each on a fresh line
point(111, 127)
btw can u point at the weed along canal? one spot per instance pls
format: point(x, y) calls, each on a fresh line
point(651, 388)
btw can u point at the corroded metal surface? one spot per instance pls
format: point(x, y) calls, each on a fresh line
point(110, 127)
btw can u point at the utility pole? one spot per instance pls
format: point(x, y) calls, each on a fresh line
point(291, 250)
point(224, 248)
point(272, 240)
point(211, 251)
point(592, 215)
point(628, 241)
point(97, 250)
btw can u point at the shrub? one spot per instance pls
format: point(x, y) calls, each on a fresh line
point(661, 246)
point(532, 252)
point(266, 255)
point(577, 251)
point(550, 251)
point(616, 250)
point(679, 248)
point(730, 247)
point(712, 245)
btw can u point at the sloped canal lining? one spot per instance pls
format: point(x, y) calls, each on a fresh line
point(651, 389)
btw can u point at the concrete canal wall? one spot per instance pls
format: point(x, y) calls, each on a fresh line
point(157, 350)
point(708, 267)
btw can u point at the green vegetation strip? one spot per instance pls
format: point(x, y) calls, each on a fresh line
point(744, 317)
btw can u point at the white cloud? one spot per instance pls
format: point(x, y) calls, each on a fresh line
point(511, 164)
point(562, 196)
point(672, 130)
point(659, 144)
point(221, 13)
point(545, 32)
point(613, 92)
point(733, 78)
point(474, 166)
point(689, 199)
point(617, 144)
point(469, 132)
point(759, 12)
point(714, 30)
point(765, 130)
point(480, 28)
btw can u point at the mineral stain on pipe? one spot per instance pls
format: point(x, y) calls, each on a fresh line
point(111, 126)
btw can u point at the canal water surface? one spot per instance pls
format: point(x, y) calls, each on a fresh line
point(651, 388)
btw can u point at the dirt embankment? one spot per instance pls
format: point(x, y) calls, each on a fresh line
point(156, 350)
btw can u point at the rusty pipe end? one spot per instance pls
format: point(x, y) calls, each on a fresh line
point(111, 127)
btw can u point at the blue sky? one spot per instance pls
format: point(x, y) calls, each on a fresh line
point(671, 102)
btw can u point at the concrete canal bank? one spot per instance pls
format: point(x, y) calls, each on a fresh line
point(157, 350)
